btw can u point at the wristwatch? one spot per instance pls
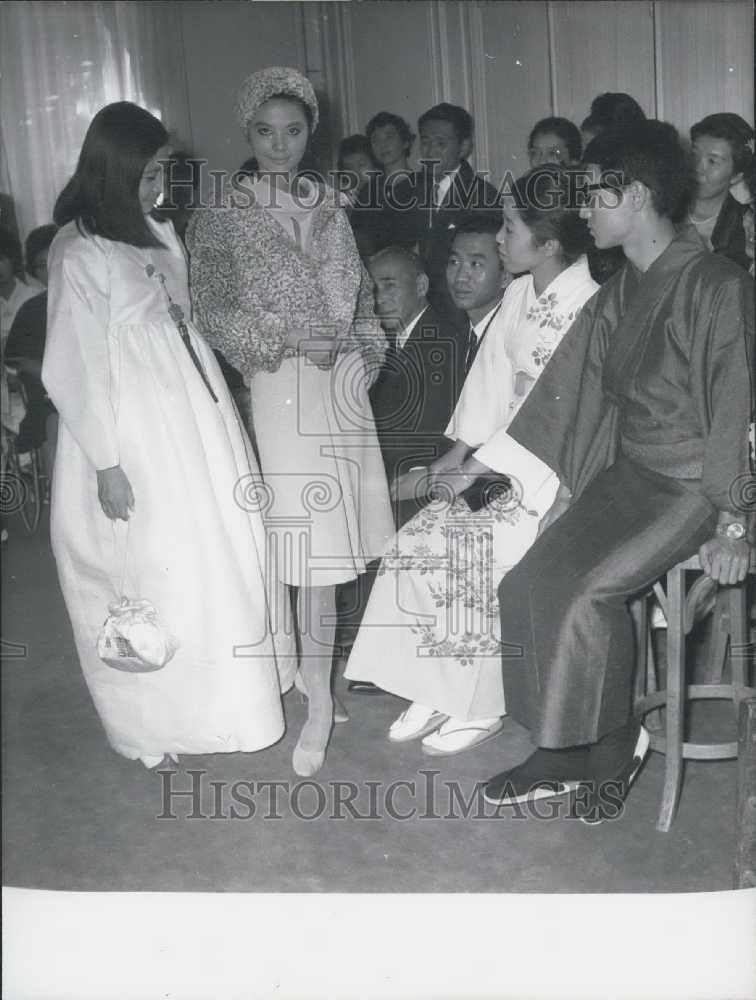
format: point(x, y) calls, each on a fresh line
point(733, 530)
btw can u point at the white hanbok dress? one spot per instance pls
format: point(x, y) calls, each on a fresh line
point(129, 394)
point(431, 631)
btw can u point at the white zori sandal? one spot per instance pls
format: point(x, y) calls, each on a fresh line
point(457, 735)
point(414, 722)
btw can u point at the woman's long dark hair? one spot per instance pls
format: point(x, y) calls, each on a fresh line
point(102, 197)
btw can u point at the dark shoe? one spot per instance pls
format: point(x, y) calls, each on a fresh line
point(546, 774)
point(608, 794)
point(364, 687)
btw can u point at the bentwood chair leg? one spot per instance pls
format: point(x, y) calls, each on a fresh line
point(639, 614)
point(675, 703)
point(720, 636)
point(738, 598)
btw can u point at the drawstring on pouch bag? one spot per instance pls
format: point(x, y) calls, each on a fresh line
point(132, 638)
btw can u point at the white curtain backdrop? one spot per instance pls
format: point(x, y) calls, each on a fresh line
point(60, 62)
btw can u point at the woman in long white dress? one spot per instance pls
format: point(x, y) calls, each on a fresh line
point(433, 613)
point(146, 501)
point(278, 286)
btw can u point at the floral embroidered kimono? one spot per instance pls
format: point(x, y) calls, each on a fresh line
point(430, 632)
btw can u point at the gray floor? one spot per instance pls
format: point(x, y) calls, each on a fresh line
point(79, 817)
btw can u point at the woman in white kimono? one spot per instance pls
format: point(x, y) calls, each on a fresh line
point(146, 499)
point(433, 611)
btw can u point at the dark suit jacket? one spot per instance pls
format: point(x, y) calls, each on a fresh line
point(728, 237)
point(410, 218)
point(416, 391)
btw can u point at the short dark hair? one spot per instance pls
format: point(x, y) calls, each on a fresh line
point(479, 223)
point(545, 199)
point(612, 110)
point(10, 247)
point(102, 197)
point(403, 253)
point(734, 130)
point(39, 239)
point(384, 118)
point(352, 144)
point(461, 120)
point(650, 152)
point(567, 131)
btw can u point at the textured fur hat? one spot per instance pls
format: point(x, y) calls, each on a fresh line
point(261, 86)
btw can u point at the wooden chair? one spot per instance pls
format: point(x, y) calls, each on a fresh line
point(729, 642)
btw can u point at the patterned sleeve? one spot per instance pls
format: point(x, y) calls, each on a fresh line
point(342, 269)
point(367, 334)
point(249, 336)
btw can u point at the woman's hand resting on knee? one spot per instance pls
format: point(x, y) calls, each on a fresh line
point(115, 493)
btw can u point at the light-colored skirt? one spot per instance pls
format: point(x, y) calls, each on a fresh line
point(325, 501)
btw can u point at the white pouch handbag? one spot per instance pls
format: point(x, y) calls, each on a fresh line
point(132, 638)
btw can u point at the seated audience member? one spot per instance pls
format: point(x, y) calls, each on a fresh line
point(643, 413)
point(13, 289)
point(412, 398)
point(554, 140)
point(425, 208)
point(391, 142)
point(25, 349)
point(748, 224)
point(359, 184)
point(356, 163)
point(13, 293)
point(722, 150)
point(436, 593)
point(417, 388)
point(610, 111)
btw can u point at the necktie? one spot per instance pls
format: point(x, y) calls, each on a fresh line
point(473, 342)
point(390, 358)
point(471, 350)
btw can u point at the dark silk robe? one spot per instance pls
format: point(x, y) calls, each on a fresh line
point(643, 412)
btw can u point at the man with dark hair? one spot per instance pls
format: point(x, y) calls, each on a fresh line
point(610, 111)
point(643, 412)
point(424, 210)
point(25, 348)
point(722, 147)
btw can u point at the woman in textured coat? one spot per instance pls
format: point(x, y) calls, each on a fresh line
point(279, 288)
